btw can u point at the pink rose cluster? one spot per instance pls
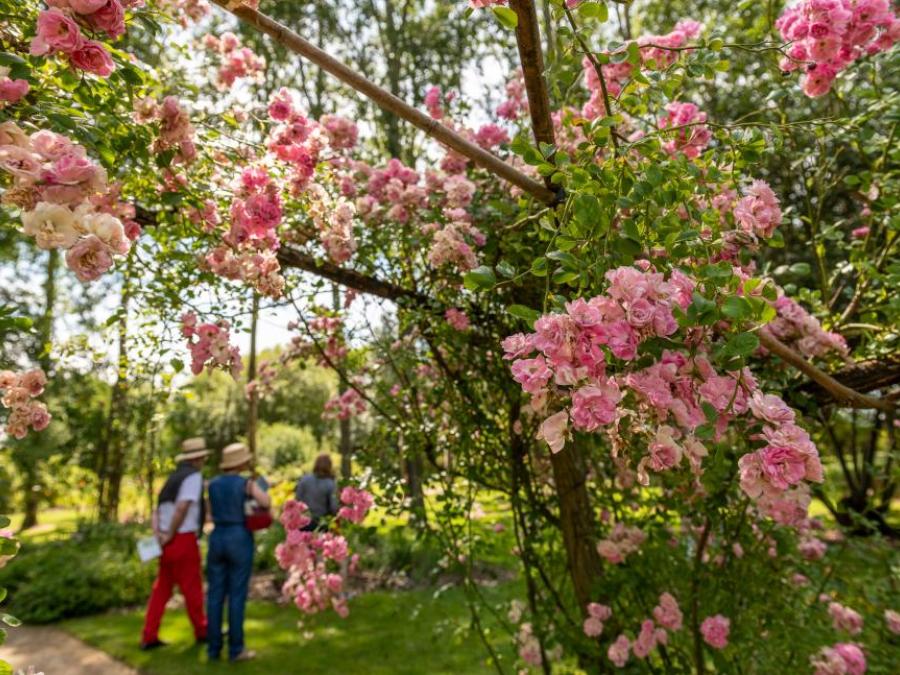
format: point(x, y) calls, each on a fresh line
point(11, 90)
point(668, 617)
point(800, 329)
point(758, 212)
point(691, 134)
point(621, 542)
point(844, 658)
point(344, 406)
point(434, 102)
point(65, 200)
point(295, 140)
point(673, 396)
point(356, 504)
point(59, 32)
point(176, 133)
point(186, 12)
point(236, 61)
point(573, 347)
point(257, 268)
point(657, 52)
point(209, 345)
point(457, 319)
point(777, 474)
point(334, 218)
point(597, 614)
point(516, 101)
point(327, 345)
point(256, 210)
point(827, 36)
point(18, 393)
point(312, 559)
point(395, 193)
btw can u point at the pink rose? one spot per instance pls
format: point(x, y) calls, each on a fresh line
point(782, 467)
point(71, 169)
point(110, 18)
point(595, 405)
point(33, 381)
point(86, 6)
point(12, 91)
point(89, 258)
point(892, 619)
point(56, 32)
point(553, 430)
point(38, 416)
point(715, 631)
point(93, 58)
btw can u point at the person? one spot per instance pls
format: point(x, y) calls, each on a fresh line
point(318, 490)
point(178, 522)
point(229, 560)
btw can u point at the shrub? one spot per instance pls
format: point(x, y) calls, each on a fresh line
point(95, 570)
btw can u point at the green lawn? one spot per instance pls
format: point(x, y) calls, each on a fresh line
point(403, 632)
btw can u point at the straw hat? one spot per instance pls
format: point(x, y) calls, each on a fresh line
point(235, 455)
point(192, 448)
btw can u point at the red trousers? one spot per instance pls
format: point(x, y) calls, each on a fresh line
point(179, 564)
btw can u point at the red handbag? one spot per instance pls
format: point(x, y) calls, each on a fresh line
point(256, 517)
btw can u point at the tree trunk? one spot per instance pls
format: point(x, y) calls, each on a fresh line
point(31, 498)
point(253, 402)
point(118, 411)
point(414, 491)
point(44, 328)
point(577, 521)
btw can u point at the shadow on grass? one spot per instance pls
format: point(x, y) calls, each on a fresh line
point(399, 633)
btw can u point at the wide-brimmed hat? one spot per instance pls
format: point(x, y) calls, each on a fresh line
point(192, 448)
point(235, 455)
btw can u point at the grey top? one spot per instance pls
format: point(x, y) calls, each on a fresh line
point(319, 494)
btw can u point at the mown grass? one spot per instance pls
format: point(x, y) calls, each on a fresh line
point(400, 633)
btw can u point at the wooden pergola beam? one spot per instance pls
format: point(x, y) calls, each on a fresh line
point(433, 128)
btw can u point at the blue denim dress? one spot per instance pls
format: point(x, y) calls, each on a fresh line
point(229, 563)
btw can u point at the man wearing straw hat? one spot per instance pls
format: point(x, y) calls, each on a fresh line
point(178, 522)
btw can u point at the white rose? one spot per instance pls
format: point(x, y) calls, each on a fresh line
point(108, 229)
point(52, 225)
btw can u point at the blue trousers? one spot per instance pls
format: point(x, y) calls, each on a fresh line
point(229, 562)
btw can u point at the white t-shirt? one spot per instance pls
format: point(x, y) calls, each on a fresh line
point(190, 491)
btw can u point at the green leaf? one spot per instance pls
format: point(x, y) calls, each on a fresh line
point(7, 59)
point(742, 344)
point(10, 620)
point(736, 307)
point(594, 10)
point(506, 16)
point(800, 269)
point(539, 267)
point(481, 278)
point(567, 259)
point(505, 269)
point(524, 313)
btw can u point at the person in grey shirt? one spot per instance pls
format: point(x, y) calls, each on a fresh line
point(318, 490)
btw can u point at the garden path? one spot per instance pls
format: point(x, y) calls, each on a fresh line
point(55, 652)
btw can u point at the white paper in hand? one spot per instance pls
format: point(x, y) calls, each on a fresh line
point(148, 549)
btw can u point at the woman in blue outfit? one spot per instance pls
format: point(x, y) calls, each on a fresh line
point(229, 561)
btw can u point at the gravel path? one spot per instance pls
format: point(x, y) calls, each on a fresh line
point(55, 652)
